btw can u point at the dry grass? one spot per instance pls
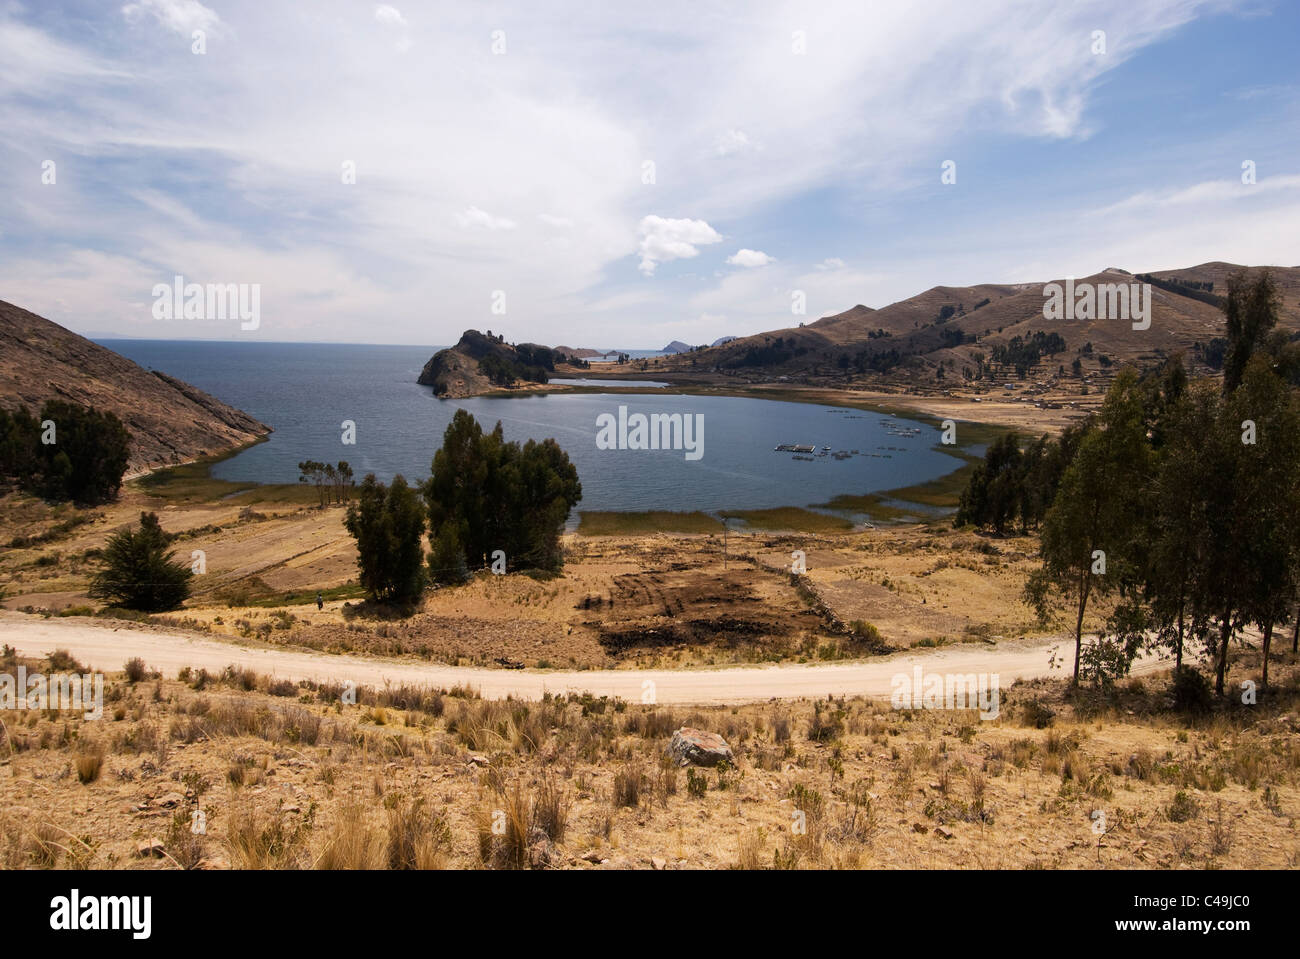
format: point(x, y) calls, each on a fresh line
point(412, 779)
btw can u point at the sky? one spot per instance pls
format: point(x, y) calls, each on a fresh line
point(619, 175)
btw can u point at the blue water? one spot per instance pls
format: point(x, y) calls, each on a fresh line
point(306, 390)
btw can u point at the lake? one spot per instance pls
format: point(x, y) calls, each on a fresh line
point(306, 392)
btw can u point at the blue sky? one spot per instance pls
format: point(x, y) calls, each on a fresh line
point(513, 163)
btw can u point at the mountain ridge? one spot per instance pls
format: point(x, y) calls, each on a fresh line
point(170, 421)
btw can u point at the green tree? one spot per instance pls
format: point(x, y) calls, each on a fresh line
point(1179, 537)
point(1251, 311)
point(497, 495)
point(139, 572)
point(1091, 534)
point(388, 524)
point(69, 452)
point(1252, 509)
point(994, 493)
point(447, 559)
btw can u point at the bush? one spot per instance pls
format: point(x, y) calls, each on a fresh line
point(90, 762)
point(1191, 691)
point(1037, 714)
point(139, 572)
point(135, 669)
point(865, 632)
point(627, 786)
point(1182, 808)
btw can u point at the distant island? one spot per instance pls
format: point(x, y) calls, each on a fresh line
point(482, 362)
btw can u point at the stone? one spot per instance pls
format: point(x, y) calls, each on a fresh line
point(169, 801)
point(659, 864)
point(150, 848)
point(943, 831)
point(695, 747)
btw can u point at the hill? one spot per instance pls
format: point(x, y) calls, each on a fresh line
point(990, 329)
point(170, 421)
point(479, 363)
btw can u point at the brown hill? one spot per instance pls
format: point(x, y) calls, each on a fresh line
point(170, 421)
point(913, 336)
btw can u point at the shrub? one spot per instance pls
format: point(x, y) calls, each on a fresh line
point(139, 572)
point(1182, 808)
point(1191, 691)
point(135, 669)
point(627, 785)
point(697, 784)
point(1037, 714)
point(90, 763)
point(417, 836)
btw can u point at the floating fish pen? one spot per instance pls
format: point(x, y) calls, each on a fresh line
point(793, 448)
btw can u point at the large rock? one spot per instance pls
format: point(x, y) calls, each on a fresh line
point(695, 747)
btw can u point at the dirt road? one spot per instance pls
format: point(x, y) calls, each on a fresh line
point(106, 647)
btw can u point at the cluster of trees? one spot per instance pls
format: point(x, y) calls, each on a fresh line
point(877, 361)
point(1194, 289)
point(1015, 486)
point(573, 361)
point(1180, 499)
point(769, 354)
point(333, 483)
point(506, 372)
point(483, 495)
point(68, 452)
point(1024, 353)
point(952, 337)
point(139, 571)
point(532, 355)
point(387, 521)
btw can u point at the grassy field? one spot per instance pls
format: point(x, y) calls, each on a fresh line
point(289, 776)
point(193, 483)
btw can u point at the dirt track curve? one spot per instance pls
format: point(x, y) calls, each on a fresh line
point(106, 647)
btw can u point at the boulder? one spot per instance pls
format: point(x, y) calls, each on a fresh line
point(695, 747)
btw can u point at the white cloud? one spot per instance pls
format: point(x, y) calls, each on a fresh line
point(733, 141)
point(179, 16)
point(664, 239)
point(250, 153)
point(389, 15)
point(750, 258)
point(474, 217)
